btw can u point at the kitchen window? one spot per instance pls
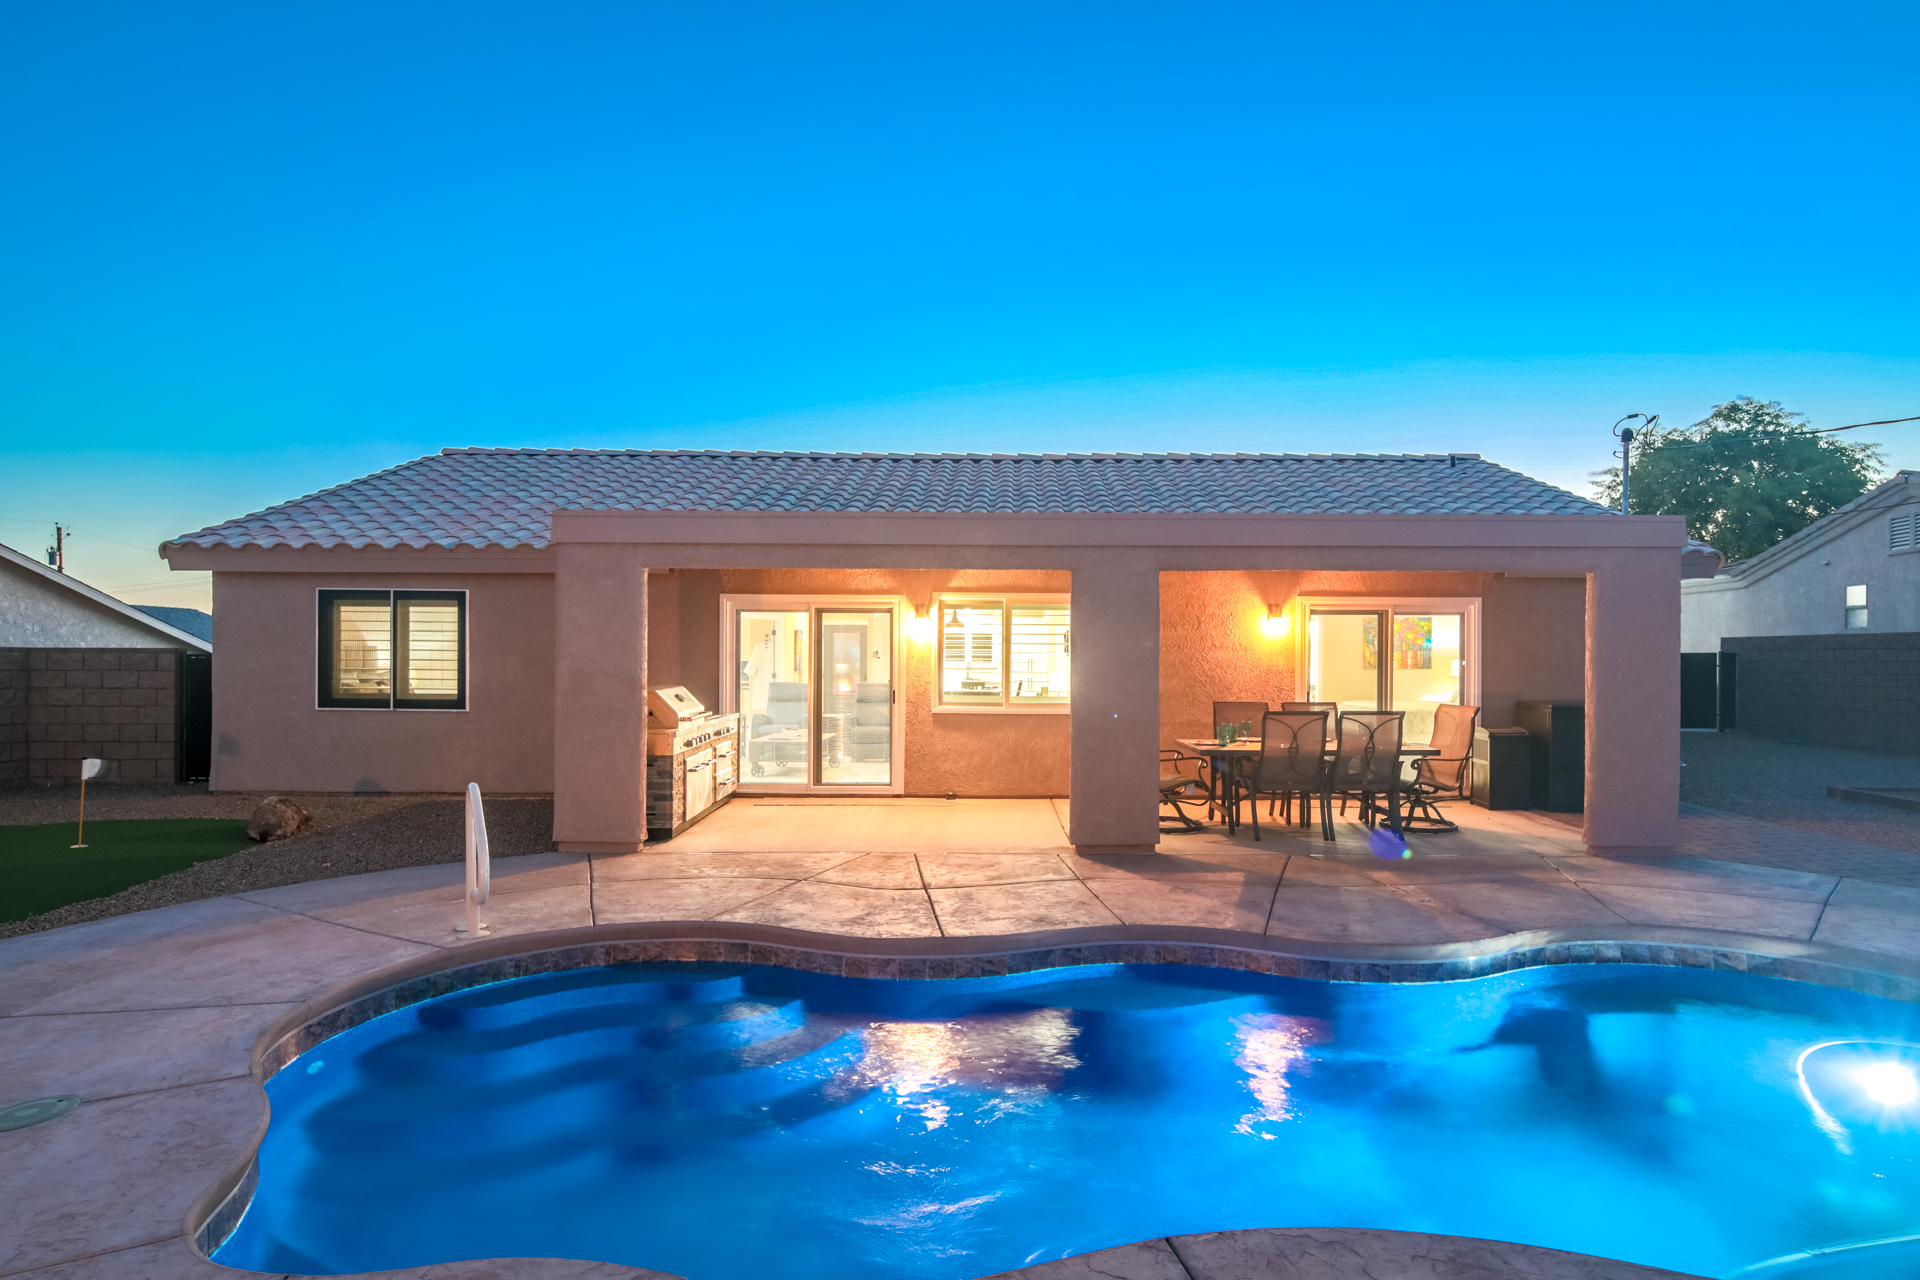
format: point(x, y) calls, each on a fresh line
point(1004, 653)
point(393, 650)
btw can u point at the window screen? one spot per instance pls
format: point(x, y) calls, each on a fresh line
point(970, 648)
point(386, 649)
point(1042, 658)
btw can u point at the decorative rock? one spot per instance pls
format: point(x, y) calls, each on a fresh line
point(278, 818)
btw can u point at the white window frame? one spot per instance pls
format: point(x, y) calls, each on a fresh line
point(1007, 600)
point(731, 606)
point(1468, 607)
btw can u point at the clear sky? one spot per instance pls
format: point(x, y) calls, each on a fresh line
point(249, 250)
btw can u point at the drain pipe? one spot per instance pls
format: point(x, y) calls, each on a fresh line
point(479, 866)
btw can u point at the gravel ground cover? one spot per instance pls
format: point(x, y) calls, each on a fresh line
point(350, 835)
point(1781, 782)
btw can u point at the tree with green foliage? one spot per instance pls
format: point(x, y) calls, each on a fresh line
point(1745, 476)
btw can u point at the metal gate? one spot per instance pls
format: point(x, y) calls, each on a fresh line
point(193, 717)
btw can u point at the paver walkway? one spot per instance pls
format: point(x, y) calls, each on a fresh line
point(150, 1017)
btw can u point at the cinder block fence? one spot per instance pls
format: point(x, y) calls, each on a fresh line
point(1860, 690)
point(60, 706)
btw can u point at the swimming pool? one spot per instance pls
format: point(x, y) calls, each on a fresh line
point(732, 1121)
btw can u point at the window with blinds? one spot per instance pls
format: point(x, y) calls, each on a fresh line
point(1003, 654)
point(382, 650)
point(1900, 532)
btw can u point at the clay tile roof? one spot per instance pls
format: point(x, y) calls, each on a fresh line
point(506, 497)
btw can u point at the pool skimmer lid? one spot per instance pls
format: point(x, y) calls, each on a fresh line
point(23, 1115)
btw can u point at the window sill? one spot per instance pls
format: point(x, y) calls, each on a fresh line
point(1053, 709)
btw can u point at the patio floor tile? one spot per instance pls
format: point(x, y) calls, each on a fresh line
point(1690, 908)
point(1703, 874)
point(1426, 867)
point(104, 1055)
point(959, 870)
point(430, 917)
point(843, 908)
point(1505, 906)
point(1888, 930)
point(1146, 1260)
point(1018, 908)
point(1375, 913)
point(704, 898)
point(510, 875)
point(165, 1260)
point(307, 955)
point(1304, 869)
point(876, 871)
point(146, 1157)
point(1207, 903)
point(1865, 893)
point(692, 866)
point(1225, 865)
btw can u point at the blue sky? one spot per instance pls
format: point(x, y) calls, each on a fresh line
point(249, 250)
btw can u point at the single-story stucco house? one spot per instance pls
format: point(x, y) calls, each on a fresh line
point(970, 625)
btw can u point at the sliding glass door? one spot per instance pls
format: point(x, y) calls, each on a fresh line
point(1410, 659)
point(815, 686)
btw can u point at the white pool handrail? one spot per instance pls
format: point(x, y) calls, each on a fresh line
point(479, 865)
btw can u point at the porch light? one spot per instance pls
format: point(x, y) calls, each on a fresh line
point(920, 625)
point(1278, 621)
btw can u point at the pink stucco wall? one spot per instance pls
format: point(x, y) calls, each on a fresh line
point(1213, 648)
point(269, 736)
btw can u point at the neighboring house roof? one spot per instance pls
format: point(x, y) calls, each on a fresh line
point(195, 622)
point(506, 497)
point(1892, 492)
point(90, 599)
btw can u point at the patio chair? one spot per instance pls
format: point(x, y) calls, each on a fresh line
point(1293, 761)
point(1366, 766)
point(1247, 713)
point(1441, 777)
point(1332, 709)
point(1177, 789)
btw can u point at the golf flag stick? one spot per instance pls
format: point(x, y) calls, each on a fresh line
point(89, 768)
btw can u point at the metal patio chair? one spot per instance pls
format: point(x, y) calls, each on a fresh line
point(1333, 710)
point(1292, 761)
point(1441, 777)
point(1177, 789)
point(1366, 766)
point(1247, 713)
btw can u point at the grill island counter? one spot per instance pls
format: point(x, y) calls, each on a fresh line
point(692, 761)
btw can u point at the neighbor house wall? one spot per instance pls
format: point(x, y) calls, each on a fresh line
point(36, 613)
point(270, 736)
point(1806, 595)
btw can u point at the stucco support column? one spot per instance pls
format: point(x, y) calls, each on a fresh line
point(599, 699)
point(1633, 703)
point(1116, 704)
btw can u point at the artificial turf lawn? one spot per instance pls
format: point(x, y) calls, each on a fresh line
point(38, 871)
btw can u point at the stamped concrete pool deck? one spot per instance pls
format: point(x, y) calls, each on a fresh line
point(152, 1018)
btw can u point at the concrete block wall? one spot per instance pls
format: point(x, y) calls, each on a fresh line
point(13, 717)
point(1857, 690)
point(117, 704)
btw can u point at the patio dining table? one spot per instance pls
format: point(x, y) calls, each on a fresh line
point(1225, 757)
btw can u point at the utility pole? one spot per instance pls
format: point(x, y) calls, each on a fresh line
point(1625, 436)
point(57, 553)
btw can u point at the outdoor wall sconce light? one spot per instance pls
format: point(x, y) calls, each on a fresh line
point(1278, 621)
point(920, 623)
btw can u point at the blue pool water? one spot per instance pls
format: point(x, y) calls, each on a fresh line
point(742, 1123)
